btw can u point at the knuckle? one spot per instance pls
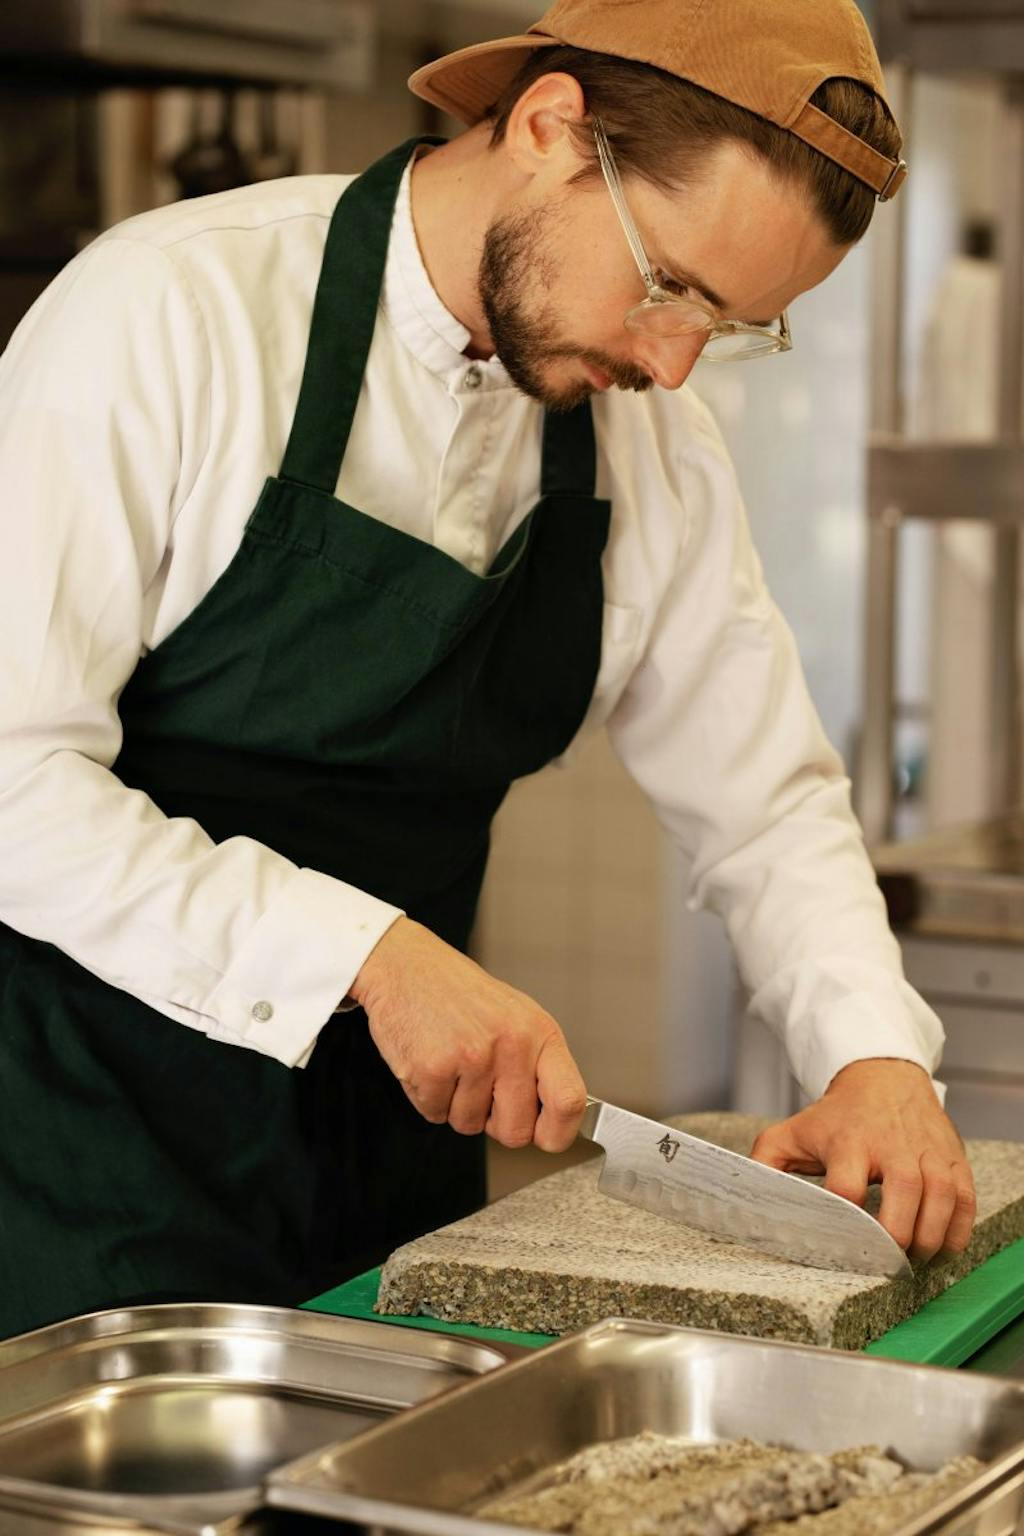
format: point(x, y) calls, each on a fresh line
point(437, 1073)
point(541, 1026)
point(475, 1060)
point(846, 1189)
point(566, 1102)
point(956, 1243)
point(517, 1136)
point(943, 1189)
point(904, 1181)
point(518, 1042)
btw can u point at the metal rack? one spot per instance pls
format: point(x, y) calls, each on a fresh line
point(908, 481)
point(956, 898)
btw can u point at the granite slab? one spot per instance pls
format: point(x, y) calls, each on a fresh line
point(558, 1254)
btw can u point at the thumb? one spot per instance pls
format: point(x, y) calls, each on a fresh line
point(562, 1094)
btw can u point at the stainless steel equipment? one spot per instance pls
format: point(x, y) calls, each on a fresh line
point(80, 86)
point(618, 1378)
point(699, 1184)
point(167, 1418)
point(910, 481)
point(307, 42)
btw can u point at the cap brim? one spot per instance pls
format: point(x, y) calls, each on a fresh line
point(466, 84)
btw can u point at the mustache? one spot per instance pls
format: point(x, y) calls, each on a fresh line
point(623, 375)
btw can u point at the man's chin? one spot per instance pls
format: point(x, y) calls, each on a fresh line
point(552, 397)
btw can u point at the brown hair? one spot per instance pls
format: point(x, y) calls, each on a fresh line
point(661, 128)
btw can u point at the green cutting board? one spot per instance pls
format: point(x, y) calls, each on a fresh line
point(946, 1331)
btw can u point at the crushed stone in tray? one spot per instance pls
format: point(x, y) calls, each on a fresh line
point(877, 1514)
point(654, 1485)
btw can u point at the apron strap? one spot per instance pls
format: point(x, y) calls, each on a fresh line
point(341, 331)
point(344, 316)
point(569, 453)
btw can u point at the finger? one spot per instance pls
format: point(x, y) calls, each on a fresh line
point(470, 1106)
point(562, 1094)
point(777, 1147)
point(849, 1174)
point(938, 1202)
point(514, 1109)
point(902, 1187)
point(961, 1225)
point(431, 1094)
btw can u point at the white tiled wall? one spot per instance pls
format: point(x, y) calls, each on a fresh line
point(584, 909)
point(572, 914)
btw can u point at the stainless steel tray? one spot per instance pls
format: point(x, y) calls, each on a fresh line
point(426, 1471)
point(167, 1418)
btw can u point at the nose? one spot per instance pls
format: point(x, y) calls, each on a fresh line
point(670, 359)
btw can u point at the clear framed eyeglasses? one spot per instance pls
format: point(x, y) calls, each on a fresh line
point(670, 314)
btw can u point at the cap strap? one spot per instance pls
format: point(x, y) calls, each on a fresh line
point(823, 133)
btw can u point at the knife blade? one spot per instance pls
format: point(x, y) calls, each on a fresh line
point(698, 1184)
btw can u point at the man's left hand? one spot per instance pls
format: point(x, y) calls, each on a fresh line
point(880, 1122)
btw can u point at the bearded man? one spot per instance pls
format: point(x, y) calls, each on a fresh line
point(334, 506)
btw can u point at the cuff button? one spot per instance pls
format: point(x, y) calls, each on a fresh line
point(262, 1011)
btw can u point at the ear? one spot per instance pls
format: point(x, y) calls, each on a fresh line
point(537, 136)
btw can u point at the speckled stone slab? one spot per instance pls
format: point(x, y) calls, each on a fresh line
point(558, 1254)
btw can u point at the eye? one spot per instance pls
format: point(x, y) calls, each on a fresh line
point(672, 285)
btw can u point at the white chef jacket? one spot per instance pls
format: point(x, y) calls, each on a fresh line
point(143, 401)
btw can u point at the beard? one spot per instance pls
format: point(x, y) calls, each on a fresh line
point(513, 259)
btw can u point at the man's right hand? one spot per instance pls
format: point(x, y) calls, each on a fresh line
point(467, 1048)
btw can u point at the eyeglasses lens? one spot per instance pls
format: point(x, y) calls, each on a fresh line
point(731, 346)
point(665, 317)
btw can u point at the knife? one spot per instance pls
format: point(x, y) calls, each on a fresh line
point(728, 1196)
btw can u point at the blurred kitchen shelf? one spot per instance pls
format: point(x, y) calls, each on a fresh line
point(943, 481)
point(956, 903)
point(982, 35)
point(963, 882)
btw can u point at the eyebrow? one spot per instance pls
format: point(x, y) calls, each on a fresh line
point(691, 280)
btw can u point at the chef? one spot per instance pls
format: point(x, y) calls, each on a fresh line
point(332, 506)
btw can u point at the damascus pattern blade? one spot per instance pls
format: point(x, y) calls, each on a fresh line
point(693, 1182)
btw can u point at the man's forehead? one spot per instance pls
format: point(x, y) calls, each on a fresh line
point(747, 240)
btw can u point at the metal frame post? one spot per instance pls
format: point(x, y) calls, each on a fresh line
point(873, 786)
point(1005, 680)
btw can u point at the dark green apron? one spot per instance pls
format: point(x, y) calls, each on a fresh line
point(359, 701)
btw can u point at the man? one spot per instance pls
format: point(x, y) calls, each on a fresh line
point(298, 575)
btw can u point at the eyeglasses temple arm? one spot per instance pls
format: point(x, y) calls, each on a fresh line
point(611, 176)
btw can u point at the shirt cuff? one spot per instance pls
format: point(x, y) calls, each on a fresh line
point(824, 1033)
point(855, 1032)
point(296, 965)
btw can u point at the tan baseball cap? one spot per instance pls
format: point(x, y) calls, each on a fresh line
point(769, 56)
